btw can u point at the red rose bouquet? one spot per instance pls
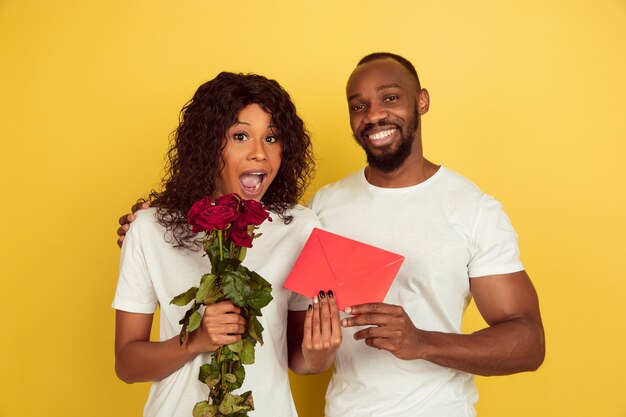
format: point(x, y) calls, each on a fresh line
point(229, 224)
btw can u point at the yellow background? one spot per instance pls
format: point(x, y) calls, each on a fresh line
point(528, 100)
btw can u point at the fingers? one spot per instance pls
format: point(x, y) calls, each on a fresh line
point(335, 323)
point(308, 328)
point(125, 220)
point(223, 307)
point(322, 326)
point(374, 314)
point(381, 308)
point(223, 323)
point(316, 325)
point(142, 205)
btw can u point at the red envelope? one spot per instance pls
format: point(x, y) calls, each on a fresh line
point(357, 273)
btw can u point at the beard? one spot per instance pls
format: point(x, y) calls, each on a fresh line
point(391, 159)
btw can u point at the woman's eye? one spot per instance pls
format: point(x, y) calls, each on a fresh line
point(240, 136)
point(271, 139)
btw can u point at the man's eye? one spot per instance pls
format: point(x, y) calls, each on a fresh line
point(357, 107)
point(240, 136)
point(271, 139)
point(391, 98)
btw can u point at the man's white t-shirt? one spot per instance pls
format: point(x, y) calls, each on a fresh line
point(153, 271)
point(449, 232)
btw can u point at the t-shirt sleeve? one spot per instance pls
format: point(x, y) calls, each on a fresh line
point(298, 302)
point(135, 292)
point(494, 249)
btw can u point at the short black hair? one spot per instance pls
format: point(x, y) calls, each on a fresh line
point(401, 60)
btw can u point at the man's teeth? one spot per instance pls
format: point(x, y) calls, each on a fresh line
point(381, 135)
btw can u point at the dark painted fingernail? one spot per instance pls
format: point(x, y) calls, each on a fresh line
point(330, 294)
point(322, 294)
point(310, 307)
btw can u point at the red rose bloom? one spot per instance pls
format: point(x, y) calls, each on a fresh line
point(204, 216)
point(231, 200)
point(239, 233)
point(197, 208)
point(254, 212)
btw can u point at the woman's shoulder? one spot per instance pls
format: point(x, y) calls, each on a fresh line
point(304, 217)
point(301, 221)
point(146, 223)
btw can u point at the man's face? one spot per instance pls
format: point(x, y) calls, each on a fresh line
point(384, 112)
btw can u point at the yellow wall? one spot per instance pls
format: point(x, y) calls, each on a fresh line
point(527, 100)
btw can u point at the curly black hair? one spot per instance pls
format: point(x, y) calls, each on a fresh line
point(194, 159)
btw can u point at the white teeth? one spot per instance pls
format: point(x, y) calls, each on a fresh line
point(381, 135)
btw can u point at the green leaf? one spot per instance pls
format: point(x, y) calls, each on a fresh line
point(204, 409)
point(207, 283)
point(230, 378)
point(236, 347)
point(227, 405)
point(185, 298)
point(194, 321)
point(185, 322)
point(258, 279)
point(255, 329)
point(247, 353)
point(240, 372)
point(235, 287)
point(259, 299)
point(248, 400)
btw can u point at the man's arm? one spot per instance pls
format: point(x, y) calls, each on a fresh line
point(513, 342)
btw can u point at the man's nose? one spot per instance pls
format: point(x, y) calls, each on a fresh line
point(375, 113)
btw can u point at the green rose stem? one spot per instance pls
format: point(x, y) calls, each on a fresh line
point(228, 280)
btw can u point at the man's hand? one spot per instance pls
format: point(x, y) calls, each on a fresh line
point(390, 328)
point(513, 341)
point(127, 219)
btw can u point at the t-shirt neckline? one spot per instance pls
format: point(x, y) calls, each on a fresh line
point(440, 172)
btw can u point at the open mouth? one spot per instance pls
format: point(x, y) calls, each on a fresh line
point(252, 183)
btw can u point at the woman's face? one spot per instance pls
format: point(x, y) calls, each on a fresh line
point(252, 155)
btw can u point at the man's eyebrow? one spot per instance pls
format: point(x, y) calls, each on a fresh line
point(379, 88)
point(387, 86)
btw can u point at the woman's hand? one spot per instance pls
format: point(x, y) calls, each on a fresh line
point(322, 333)
point(222, 324)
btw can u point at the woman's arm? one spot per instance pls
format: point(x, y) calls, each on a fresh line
point(137, 359)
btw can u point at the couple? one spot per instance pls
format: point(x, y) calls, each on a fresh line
point(404, 357)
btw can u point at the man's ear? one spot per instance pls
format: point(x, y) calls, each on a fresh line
point(423, 101)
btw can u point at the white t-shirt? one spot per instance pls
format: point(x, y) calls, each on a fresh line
point(449, 231)
point(153, 271)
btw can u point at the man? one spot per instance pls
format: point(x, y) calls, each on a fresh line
point(407, 356)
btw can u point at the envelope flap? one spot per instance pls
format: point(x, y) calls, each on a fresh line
point(349, 259)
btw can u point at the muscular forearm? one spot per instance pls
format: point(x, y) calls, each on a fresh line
point(505, 348)
point(142, 361)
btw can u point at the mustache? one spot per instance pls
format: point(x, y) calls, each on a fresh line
point(381, 123)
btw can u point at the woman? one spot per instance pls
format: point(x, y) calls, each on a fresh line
point(238, 134)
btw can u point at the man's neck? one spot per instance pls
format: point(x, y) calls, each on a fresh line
point(415, 170)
